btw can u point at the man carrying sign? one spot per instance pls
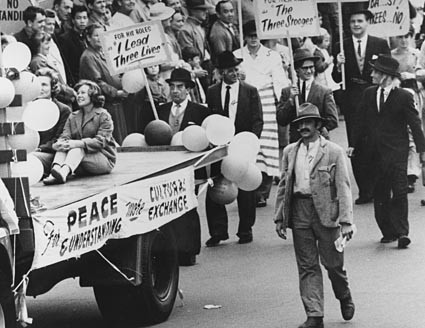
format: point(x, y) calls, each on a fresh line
point(359, 50)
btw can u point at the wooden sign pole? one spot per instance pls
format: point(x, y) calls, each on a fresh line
point(341, 41)
point(148, 89)
point(240, 25)
point(293, 73)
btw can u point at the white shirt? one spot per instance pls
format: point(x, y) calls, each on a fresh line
point(387, 91)
point(307, 87)
point(303, 166)
point(233, 103)
point(176, 109)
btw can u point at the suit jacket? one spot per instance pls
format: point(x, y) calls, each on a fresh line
point(319, 95)
point(386, 131)
point(221, 39)
point(192, 34)
point(194, 113)
point(329, 183)
point(249, 112)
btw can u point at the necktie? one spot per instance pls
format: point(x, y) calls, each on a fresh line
point(177, 121)
point(359, 48)
point(227, 101)
point(303, 100)
point(381, 100)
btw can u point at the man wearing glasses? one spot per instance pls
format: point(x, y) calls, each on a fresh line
point(307, 90)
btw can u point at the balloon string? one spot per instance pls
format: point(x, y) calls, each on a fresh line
point(24, 196)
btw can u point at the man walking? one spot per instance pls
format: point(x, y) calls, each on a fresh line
point(384, 114)
point(314, 200)
point(241, 103)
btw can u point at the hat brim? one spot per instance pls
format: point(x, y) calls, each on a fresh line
point(190, 83)
point(306, 117)
point(312, 58)
point(369, 15)
point(201, 7)
point(384, 70)
point(235, 63)
point(166, 14)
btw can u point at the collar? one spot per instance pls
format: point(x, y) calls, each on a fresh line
point(363, 39)
point(194, 20)
point(183, 104)
point(307, 82)
point(234, 85)
point(230, 25)
point(311, 145)
point(387, 89)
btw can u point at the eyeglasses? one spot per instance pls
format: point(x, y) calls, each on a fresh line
point(252, 35)
point(305, 68)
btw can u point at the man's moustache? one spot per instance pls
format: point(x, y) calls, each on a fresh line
point(304, 130)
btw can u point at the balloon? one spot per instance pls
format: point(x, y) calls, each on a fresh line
point(16, 54)
point(29, 140)
point(133, 81)
point(7, 92)
point(32, 168)
point(177, 139)
point(41, 114)
point(207, 120)
point(251, 180)
point(246, 145)
point(220, 130)
point(194, 138)
point(158, 133)
point(223, 192)
point(28, 85)
point(134, 140)
point(234, 167)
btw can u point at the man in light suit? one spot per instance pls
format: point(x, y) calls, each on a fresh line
point(314, 200)
point(241, 103)
point(307, 90)
point(358, 52)
point(384, 114)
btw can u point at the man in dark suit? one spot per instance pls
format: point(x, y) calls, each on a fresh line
point(312, 92)
point(179, 113)
point(241, 103)
point(35, 20)
point(384, 114)
point(359, 50)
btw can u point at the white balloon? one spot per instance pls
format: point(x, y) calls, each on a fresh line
point(209, 119)
point(134, 140)
point(28, 141)
point(177, 139)
point(133, 81)
point(246, 145)
point(7, 92)
point(41, 114)
point(17, 55)
point(220, 130)
point(194, 138)
point(251, 180)
point(234, 167)
point(28, 86)
point(31, 168)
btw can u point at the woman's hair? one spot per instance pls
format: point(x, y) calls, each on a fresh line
point(36, 40)
point(90, 29)
point(95, 92)
point(54, 79)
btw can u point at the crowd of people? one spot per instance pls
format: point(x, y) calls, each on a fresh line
point(210, 72)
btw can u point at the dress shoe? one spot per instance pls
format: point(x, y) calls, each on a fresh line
point(403, 242)
point(363, 200)
point(245, 239)
point(50, 180)
point(347, 308)
point(262, 202)
point(187, 259)
point(215, 240)
point(60, 173)
point(386, 240)
point(276, 180)
point(312, 322)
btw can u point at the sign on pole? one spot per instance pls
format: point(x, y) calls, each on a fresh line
point(136, 46)
point(391, 17)
point(278, 18)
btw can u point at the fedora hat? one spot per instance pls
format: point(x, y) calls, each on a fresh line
point(159, 11)
point(181, 75)
point(386, 64)
point(198, 4)
point(302, 54)
point(306, 111)
point(249, 27)
point(227, 59)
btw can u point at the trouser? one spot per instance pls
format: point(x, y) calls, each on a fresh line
point(390, 199)
point(81, 163)
point(187, 230)
point(313, 241)
point(263, 191)
point(218, 220)
point(46, 159)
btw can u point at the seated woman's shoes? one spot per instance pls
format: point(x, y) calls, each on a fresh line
point(60, 173)
point(50, 180)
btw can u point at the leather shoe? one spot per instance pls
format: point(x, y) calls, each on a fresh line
point(347, 308)
point(386, 240)
point(245, 239)
point(312, 322)
point(363, 200)
point(215, 240)
point(403, 242)
point(262, 202)
point(50, 180)
point(60, 173)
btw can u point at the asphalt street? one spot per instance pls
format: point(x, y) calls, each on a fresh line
point(256, 284)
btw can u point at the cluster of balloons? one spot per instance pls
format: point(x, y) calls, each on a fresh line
point(133, 81)
point(37, 115)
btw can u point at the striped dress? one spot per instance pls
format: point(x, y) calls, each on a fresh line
point(265, 72)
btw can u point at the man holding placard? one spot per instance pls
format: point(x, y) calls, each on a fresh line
point(359, 50)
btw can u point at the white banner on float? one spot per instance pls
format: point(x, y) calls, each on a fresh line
point(286, 18)
point(391, 18)
point(119, 212)
point(135, 46)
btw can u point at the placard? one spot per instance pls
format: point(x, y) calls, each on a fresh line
point(139, 45)
point(283, 18)
point(391, 18)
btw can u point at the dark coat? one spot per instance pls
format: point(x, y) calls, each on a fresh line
point(249, 112)
point(386, 131)
point(194, 113)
